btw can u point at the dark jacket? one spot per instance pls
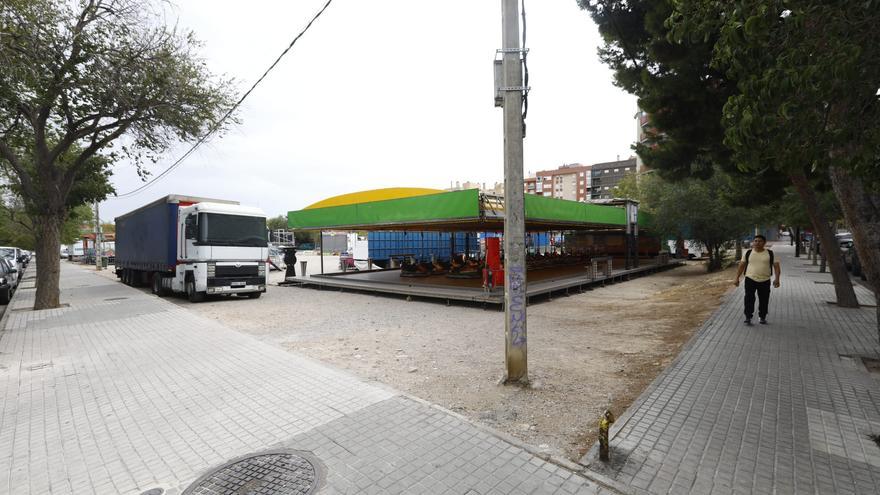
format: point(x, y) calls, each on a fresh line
point(290, 256)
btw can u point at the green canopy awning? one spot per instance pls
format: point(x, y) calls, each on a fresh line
point(466, 210)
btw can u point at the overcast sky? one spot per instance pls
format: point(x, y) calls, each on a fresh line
point(386, 93)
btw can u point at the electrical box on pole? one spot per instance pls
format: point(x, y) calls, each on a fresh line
point(512, 91)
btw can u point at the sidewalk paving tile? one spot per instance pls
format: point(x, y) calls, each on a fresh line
point(786, 407)
point(120, 392)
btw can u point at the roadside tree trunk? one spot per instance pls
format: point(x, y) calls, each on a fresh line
point(846, 295)
point(797, 242)
point(813, 244)
point(861, 209)
point(739, 250)
point(48, 243)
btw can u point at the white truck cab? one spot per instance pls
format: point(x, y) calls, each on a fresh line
point(221, 249)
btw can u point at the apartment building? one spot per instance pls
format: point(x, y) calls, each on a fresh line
point(606, 175)
point(497, 189)
point(570, 181)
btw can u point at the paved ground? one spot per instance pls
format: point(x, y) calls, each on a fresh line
point(121, 392)
point(782, 408)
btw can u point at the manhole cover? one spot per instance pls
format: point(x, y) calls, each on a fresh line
point(277, 473)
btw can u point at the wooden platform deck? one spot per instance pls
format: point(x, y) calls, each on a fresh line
point(545, 281)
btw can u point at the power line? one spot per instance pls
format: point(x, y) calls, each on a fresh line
point(217, 124)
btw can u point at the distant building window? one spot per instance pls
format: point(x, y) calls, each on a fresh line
point(606, 188)
point(582, 174)
point(616, 170)
point(606, 170)
point(626, 169)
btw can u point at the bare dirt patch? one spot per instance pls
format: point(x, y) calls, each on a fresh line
point(586, 352)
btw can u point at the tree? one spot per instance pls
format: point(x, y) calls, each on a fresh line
point(685, 93)
point(808, 74)
point(84, 84)
point(698, 209)
point(277, 223)
point(17, 228)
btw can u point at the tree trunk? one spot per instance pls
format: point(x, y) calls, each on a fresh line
point(739, 250)
point(48, 244)
point(797, 242)
point(861, 209)
point(813, 253)
point(846, 295)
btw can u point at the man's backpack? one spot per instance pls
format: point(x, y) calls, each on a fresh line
point(749, 252)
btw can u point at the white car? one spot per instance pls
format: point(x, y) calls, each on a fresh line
point(13, 255)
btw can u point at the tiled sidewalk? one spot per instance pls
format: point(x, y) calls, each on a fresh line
point(122, 392)
point(781, 408)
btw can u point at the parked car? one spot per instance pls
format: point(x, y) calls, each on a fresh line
point(13, 255)
point(276, 258)
point(8, 281)
point(850, 255)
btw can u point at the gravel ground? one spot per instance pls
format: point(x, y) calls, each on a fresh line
point(587, 352)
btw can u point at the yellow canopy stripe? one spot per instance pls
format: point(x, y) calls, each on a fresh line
point(373, 195)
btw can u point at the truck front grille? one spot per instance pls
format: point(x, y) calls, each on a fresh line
point(236, 271)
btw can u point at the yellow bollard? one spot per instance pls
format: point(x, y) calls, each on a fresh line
point(604, 425)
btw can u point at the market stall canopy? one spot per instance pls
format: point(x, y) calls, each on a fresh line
point(453, 211)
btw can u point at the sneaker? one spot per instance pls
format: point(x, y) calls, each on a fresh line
point(748, 321)
point(763, 321)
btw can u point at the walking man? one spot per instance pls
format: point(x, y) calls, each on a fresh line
point(758, 267)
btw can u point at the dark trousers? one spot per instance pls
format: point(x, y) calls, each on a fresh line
point(763, 290)
point(291, 270)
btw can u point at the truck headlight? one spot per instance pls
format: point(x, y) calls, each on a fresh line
point(212, 269)
point(262, 269)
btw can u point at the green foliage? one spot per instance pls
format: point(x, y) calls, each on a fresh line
point(78, 77)
point(682, 94)
point(305, 237)
point(17, 227)
point(277, 223)
point(698, 209)
point(807, 75)
point(629, 187)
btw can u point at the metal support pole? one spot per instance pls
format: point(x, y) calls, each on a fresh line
point(97, 238)
point(321, 248)
point(516, 356)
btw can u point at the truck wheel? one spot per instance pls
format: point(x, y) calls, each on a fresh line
point(157, 285)
point(126, 276)
point(254, 295)
point(4, 296)
point(192, 294)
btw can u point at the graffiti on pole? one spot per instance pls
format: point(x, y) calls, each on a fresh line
point(517, 306)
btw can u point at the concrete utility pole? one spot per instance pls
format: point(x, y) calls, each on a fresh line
point(516, 355)
point(97, 238)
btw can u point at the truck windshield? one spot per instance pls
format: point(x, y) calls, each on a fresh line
point(231, 230)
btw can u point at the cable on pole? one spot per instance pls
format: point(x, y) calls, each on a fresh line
point(217, 124)
point(525, 53)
